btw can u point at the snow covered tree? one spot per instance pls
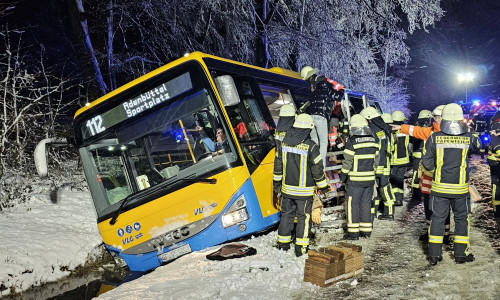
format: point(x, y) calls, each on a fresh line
point(33, 97)
point(359, 42)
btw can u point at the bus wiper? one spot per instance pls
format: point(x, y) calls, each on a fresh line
point(119, 211)
point(202, 180)
point(194, 180)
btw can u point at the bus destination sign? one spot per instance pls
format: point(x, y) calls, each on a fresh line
point(142, 102)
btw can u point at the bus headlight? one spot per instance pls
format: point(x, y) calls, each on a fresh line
point(237, 213)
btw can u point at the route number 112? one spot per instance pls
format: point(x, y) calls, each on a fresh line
point(95, 125)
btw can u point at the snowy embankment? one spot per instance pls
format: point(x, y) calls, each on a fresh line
point(395, 268)
point(47, 236)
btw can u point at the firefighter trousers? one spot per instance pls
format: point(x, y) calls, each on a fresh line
point(495, 189)
point(386, 194)
point(440, 207)
point(398, 182)
point(428, 214)
point(415, 181)
point(358, 210)
point(291, 208)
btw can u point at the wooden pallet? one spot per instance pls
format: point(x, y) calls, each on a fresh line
point(328, 265)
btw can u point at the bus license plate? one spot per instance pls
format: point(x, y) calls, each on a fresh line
point(170, 255)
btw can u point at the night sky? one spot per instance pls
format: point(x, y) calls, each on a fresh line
point(467, 39)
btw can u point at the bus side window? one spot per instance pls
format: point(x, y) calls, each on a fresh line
point(249, 122)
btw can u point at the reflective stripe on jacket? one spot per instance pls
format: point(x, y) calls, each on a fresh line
point(300, 169)
point(446, 155)
point(361, 158)
point(401, 155)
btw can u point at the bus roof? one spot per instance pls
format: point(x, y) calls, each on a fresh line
point(192, 56)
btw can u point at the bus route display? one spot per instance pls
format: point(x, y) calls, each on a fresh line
point(142, 102)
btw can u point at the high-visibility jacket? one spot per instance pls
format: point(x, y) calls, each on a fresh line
point(384, 165)
point(494, 147)
point(422, 133)
point(446, 156)
point(361, 158)
point(400, 155)
point(299, 168)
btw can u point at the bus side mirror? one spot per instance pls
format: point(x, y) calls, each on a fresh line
point(41, 155)
point(227, 90)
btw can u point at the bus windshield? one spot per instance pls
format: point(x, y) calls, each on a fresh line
point(183, 138)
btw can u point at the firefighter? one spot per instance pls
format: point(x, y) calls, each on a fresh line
point(326, 95)
point(382, 131)
point(424, 120)
point(480, 125)
point(361, 157)
point(494, 162)
point(400, 158)
point(445, 154)
point(425, 177)
point(285, 123)
point(297, 170)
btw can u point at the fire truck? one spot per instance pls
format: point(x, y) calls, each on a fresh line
point(472, 117)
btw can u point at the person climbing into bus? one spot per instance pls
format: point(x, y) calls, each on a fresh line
point(221, 144)
point(361, 158)
point(298, 170)
point(445, 154)
point(400, 158)
point(326, 95)
point(424, 120)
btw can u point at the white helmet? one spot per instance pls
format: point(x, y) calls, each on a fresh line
point(438, 111)
point(287, 110)
point(307, 72)
point(304, 121)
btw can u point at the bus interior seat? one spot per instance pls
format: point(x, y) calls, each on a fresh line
point(169, 171)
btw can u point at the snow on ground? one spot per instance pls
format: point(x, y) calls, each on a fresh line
point(42, 241)
point(395, 268)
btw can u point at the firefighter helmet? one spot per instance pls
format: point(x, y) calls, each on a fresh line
point(358, 121)
point(307, 72)
point(438, 111)
point(452, 120)
point(370, 113)
point(304, 121)
point(452, 112)
point(359, 125)
point(398, 116)
point(387, 118)
point(287, 110)
point(425, 114)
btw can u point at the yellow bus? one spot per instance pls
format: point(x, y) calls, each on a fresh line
point(181, 158)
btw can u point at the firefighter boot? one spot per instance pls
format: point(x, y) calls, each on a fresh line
point(284, 246)
point(351, 236)
point(464, 259)
point(433, 260)
point(365, 235)
point(386, 217)
point(300, 250)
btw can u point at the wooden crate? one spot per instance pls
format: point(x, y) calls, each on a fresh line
point(323, 274)
point(326, 266)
